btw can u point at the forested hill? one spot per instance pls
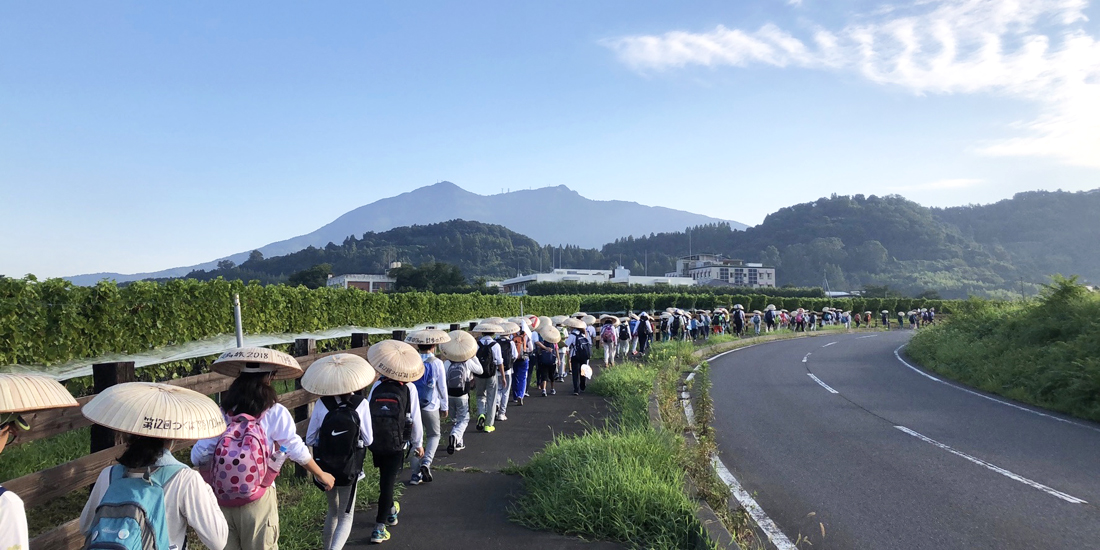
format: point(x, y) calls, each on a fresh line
point(1039, 231)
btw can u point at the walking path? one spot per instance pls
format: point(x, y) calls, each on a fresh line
point(466, 506)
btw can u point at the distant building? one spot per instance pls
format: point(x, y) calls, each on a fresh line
point(517, 286)
point(369, 283)
point(714, 270)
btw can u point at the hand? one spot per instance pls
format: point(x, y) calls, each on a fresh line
point(442, 414)
point(326, 480)
point(420, 452)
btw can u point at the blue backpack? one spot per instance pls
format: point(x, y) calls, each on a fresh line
point(425, 386)
point(131, 514)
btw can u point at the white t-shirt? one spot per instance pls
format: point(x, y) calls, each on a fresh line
point(278, 424)
point(13, 519)
point(414, 411)
point(366, 430)
point(188, 500)
point(437, 401)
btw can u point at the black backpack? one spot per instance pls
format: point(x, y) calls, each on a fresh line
point(582, 348)
point(506, 351)
point(676, 323)
point(340, 450)
point(624, 332)
point(485, 357)
point(389, 412)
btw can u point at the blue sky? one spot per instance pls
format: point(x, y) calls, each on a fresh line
point(142, 136)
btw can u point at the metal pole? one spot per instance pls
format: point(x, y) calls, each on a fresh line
point(237, 320)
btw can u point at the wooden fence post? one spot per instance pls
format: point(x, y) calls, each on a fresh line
point(473, 324)
point(399, 335)
point(455, 326)
point(359, 340)
point(105, 375)
point(302, 347)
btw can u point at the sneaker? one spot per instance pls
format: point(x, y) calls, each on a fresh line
point(452, 443)
point(391, 520)
point(553, 392)
point(576, 393)
point(481, 423)
point(490, 429)
point(502, 417)
point(519, 402)
point(459, 446)
point(378, 536)
point(544, 393)
point(415, 479)
point(426, 473)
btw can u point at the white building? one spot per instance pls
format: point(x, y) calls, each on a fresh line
point(369, 283)
point(517, 286)
point(711, 269)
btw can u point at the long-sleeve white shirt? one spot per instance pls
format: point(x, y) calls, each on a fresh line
point(313, 432)
point(437, 401)
point(188, 500)
point(13, 519)
point(278, 424)
point(498, 359)
point(414, 411)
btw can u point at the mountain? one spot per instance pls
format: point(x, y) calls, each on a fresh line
point(542, 214)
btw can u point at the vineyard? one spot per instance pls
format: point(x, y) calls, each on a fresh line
point(687, 301)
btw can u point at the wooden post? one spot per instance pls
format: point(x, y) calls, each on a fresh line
point(302, 347)
point(473, 324)
point(359, 340)
point(399, 335)
point(455, 326)
point(105, 375)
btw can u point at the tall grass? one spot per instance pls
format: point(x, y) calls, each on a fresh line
point(1044, 351)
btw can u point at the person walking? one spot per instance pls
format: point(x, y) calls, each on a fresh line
point(609, 340)
point(524, 342)
point(756, 321)
point(148, 482)
point(624, 339)
point(546, 355)
point(632, 328)
point(395, 422)
point(434, 405)
point(339, 432)
point(486, 385)
point(22, 394)
point(580, 351)
point(252, 411)
point(462, 366)
point(509, 353)
point(643, 331)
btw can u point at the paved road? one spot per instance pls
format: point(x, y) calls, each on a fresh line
point(895, 459)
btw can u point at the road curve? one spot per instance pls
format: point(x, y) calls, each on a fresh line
point(880, 455)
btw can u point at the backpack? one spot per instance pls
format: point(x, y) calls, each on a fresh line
point(676, 324)
point(506, 352)
point(389, 412)
point(485, 357)
point(243, 448)
point(548, 356)
point(769, 316)
point(582, 348)
point(130, 516)
point(607, 335)
point(624, 332)
point(425, 386)
point(458, 379)
point(340, 450)
point(520, 339)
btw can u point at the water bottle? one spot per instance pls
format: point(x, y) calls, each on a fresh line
point(274, 464)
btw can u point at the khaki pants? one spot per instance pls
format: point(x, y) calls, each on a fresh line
point(254, 526)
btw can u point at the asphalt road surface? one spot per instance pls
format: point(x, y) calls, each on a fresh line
point(895, 458)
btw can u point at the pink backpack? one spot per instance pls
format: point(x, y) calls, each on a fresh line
point(239, 470)
point(608, 334)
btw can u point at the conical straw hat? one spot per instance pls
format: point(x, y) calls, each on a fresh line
point(558, 319)
point(588, 319)
point(579, 315)
point(245, 360)
point(534, 321)
point(494, 320)
point(461, 347)
point(426, 337)
point(29, 392)
point(574, 323)
point(508, 327)
point(488, 328)
point(156, 410)
point(396, 360)
point(550, 334)
point(338, 374)
point(543, 323)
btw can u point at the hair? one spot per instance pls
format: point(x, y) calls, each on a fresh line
point(141, 451)
point(424, 348)
point(249, 394)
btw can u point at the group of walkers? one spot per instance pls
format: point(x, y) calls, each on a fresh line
point(390, 404)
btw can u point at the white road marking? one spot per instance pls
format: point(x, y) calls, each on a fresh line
point(775, 536)
point(807, 357)
point(1035, 484)
point(823, 384)
point(868, 336)
point(897, 353)
point(829, 344)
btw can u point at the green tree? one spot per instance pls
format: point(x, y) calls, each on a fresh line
point(314, 277)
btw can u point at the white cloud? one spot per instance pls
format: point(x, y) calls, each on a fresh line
point(957, 183)
point(938, 47)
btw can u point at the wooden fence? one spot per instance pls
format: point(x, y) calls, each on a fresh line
point(43, 486)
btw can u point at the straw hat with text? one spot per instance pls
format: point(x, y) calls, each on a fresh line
point(156, 410)
point(254, 360)
point(30, 392)
point(461, 347)
point(427, 337)
point(396, 360)
point(338, 374)
point(574, 323)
